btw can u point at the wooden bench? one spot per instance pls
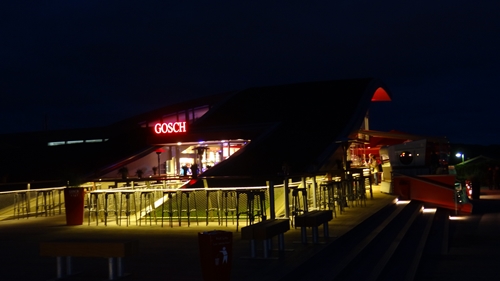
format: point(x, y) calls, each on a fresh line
point(314, 219)
point(113, 250)
point(265, 231)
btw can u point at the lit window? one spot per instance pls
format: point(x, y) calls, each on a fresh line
point(94, 140)
point(74, 141)
point(56, 143)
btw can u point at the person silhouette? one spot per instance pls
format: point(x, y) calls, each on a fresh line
point(224, 255)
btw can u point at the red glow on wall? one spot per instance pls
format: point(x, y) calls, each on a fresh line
point(170, 128)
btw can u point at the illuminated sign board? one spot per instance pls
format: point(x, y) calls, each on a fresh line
point(170, 128)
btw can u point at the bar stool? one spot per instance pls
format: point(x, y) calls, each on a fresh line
point(211, 202)
point(21, 206)
point(110, 205)
point(45, 204)
point(360, 188)
point(93, 206)
point(250, 211)
point(229, 204)
point(332, 198)
point(189, 198)
point(147, 205)
point(170, 194)
point(299, 202)
point(127, 200)
point(59, 194)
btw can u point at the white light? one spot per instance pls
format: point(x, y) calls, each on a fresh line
point(429, 210)
point(456, 218)
point(402, 202)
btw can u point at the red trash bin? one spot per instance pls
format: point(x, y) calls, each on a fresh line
point(216, 253)
point(74, 198)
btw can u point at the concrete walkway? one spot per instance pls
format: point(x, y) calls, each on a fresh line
point(474, 245)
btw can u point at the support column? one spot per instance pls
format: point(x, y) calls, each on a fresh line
point(287, 198)
point(272, 207)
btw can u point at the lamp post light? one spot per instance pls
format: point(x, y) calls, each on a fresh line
point(158, 152)
point(460, 154)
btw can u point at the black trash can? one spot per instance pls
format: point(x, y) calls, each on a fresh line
point(216, 253)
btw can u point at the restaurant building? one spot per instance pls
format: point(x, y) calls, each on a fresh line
point(260, 133)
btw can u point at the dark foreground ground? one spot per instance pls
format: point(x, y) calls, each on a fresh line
point(173, 253)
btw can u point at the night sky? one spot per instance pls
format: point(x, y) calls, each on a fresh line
point(76, 64)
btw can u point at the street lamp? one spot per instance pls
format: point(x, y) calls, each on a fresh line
point(460, 154)
point(158, 152)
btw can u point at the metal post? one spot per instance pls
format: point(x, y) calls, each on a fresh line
point(304, 195)
point(28, 187)
point(314, 188)
point(271, 200)
point(287, 198)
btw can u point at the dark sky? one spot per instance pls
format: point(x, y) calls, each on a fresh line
point(90, 63)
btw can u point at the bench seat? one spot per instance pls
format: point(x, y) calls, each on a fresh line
point(314, 219)
point(113, 250)
point(265, 231)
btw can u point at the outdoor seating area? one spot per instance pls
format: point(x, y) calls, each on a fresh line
point(140, 205)
point(171, 204)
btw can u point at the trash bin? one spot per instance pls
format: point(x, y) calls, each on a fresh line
point(216, 252)
point(74, 204)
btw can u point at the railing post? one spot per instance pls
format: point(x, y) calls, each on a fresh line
point(304, 195)
point(314, 188)
point(272, 206)
point(287, 198)
point(28, 187)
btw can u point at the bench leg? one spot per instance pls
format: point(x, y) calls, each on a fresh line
point(252, 248)
point(112, 267)
point(60, 267)
point(64, 267)
point(265, 244)
point(69, 266)
point(315, 234)
point(119, 267)
point(281, 242)
point(303, 234)
point(325, 230)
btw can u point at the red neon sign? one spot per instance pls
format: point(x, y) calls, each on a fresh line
point(170, 128)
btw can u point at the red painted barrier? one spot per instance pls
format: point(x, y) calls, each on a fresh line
point(438, 190)
point(74, 203)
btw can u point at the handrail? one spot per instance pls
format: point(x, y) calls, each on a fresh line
point(32, 190)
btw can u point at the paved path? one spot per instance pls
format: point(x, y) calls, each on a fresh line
point(172, 253)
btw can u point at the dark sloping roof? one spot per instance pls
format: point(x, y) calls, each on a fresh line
point(309, 121)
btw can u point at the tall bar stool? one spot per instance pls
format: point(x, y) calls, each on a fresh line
point(251, 211)
point(171, 197)
point(93, 206)
point(109, 206)
point(147, 206)
point(331, 197)
point(359, 183)
point(127, 201)
point(60, 193)
point(44, 202)
point(229, 204)
point(299, 202)
point(21, 204)
point(188, 197)
point(212, 205)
